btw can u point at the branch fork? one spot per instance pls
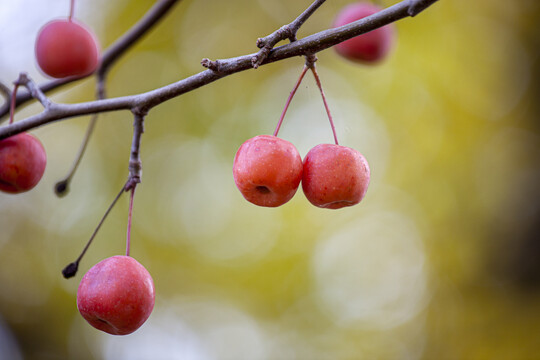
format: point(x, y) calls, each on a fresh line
point(267, 43)
point(212, 65)
point(34, 90)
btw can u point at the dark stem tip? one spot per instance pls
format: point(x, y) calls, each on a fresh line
point(61, 188)
point(70, 270)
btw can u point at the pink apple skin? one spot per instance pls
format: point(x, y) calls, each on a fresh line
point(116, 295)
point(335, 176)
point(368, 48)
point(22, 163)
point(267, 170)
point(66, 48)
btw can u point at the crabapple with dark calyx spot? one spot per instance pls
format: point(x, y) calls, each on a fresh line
point(335, 176)
point(267, 170)
point(368, 48)
point(116, 295)
point(66, 48)
point(22, 163)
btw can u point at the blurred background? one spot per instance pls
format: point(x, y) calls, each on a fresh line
point(441, 260)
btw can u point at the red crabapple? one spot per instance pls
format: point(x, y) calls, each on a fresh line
point(66, 48)
point(22, 163)
point(367, 48)
point(116, 295)
point(267, 170)
point(335, 176)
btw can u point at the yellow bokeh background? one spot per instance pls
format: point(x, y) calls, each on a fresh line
point(441, 260)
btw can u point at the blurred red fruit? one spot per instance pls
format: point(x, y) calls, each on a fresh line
point(367, 48)
point(66, 48)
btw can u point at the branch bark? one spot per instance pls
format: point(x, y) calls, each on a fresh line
point(144, 102)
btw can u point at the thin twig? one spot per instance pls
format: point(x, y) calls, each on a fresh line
point(289, 99)
point(135, 169)
point(71, 9)
point(267, 43)
point(61, 188)
point(146, 101)
point(71, 269)
point(135, 164)
point(130, 215)
point(319, 85)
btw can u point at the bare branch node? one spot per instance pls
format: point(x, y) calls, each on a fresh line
point(267, 43)
point(310, 60)
point(35, 91)
point(212, 65)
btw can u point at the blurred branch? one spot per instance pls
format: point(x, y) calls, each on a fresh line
point(142, 103)
point(61, 187)
point(130, 38)
point(6, 92)
point(109, 56)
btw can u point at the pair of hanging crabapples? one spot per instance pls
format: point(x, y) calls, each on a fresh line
point(268, 170)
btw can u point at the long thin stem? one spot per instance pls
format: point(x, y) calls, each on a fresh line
point(71, 269)
point(135, 163)
point(135, 169)
point(318, 81)
point(61, 188)
point(71, 10)
point(130, 215)
point(289, 99)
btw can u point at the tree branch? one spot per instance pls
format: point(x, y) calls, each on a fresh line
point(109, 56)
point(145, 101)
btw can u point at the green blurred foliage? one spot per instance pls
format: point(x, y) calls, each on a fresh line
point(440, 260)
